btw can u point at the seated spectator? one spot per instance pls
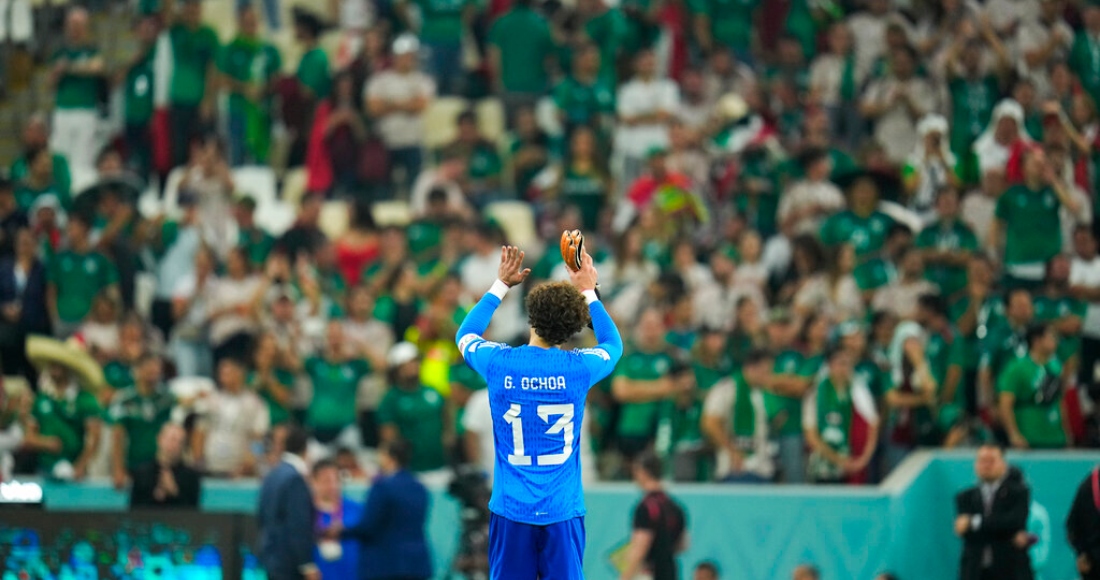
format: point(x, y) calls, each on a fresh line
point(12, 405)
point(22, 303)
point(39, 181)
point(412, 412)
point(397, 98)
point(334, 512)
point(36, 137)
point(482, 180)
point(838, 418)
point(137, 414)
point(335, 374)
point(806, 203)
point(448, 176)
point(231, 308)
point(166, 481)
point(735, 421)
point(77, 276)
point(1029, 395)
point(234, 425)
point(900, 296)
point(65, 424)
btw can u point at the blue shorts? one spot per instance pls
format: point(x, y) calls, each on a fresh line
point(529, 552)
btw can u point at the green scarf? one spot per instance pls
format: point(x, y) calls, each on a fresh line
point(744, 412)
point(834, 433)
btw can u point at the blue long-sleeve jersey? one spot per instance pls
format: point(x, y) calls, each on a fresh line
point(537, 399)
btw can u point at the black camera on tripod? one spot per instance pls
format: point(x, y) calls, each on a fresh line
point(471, 488)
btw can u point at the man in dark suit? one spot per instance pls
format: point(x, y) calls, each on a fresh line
point(286, 516)
point(392, 528)
point(166, 481)
point(1083, 526)
point(990, 515)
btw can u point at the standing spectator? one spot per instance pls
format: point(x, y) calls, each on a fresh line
point(1006, 135)
point(335, 376)
point(137, 415)
point(188, 342)
point(77, 275)
point(209, 179)
point(583, 97)
point(39, 181)
point(659, 526)
point(862, 225)
point(175, 244)
point(835, 83)
point(235, 424)
point(1084, 284)
point(443, 24)
point(36, 136)
point(334, 511)
point(946, 244)
point(77, 68)
point(645, 105)
point(1031, 395)
point(12, 219)
point(313, 69)
point(584, 181)
point(835, 414)
point(807, 202)
point(412, 412)
point(988, 518)
point(248, 66)
point(137, 79)
point(254, 239)
point(1083, 527)
point(65, 424)
point(973, 89)
point(930, 167)
point(1029, 222)
point(521, 46)
point(391, 536)
point(1084, 56)
point(397, 98)
point(286, 516)
point(231, 308)
point(23, 309)
point(735, 420)
point(725, 26)
point(482, 182)
point(641, 383)
point(166, 481)
point(273, 380)
point(899, 297)
point(896, 101)
point(194, 50)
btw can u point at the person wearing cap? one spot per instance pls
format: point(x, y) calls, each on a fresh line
point(248, 67)
point(396, 99)
point(412, 412)
point(194, 50)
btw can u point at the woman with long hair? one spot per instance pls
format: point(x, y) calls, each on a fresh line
point(833, 292)
point(584, 181)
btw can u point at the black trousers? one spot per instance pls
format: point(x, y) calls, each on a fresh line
point(185, 125)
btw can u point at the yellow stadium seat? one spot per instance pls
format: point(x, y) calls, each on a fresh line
point(439, 121)
point(391, 213)
point(490, 119)
point(294, 185)
point(257, 182)
point(335, 216)
point(518, 222)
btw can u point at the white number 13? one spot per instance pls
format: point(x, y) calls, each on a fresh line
point(563, 425)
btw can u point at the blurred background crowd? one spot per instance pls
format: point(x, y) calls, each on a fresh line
point(830, 231)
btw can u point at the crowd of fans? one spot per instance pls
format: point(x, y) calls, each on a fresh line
point(831, 232)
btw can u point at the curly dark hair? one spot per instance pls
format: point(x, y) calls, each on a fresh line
point(557, 311)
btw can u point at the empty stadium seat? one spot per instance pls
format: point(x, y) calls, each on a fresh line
point(391, 213)
point(294, 185)
point(518, 222)
point(276, 217)
point(439, 120)
point(335, 216)
point(257, 182)
point(490, 119)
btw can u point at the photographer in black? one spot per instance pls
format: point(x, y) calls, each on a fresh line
point(660, 527)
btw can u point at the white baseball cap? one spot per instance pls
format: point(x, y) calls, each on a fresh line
point(405, 44)
point(402, 353)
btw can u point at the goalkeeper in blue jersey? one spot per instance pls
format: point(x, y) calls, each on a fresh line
point(537, 394)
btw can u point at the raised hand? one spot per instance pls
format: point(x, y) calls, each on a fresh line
point(511, 270)
point(586, 278)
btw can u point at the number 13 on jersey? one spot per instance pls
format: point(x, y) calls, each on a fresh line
point(563, 425)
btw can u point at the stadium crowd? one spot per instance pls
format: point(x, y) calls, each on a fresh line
point(832, 232)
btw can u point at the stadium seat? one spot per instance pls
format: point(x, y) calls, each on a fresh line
point(294, 185)
point(335, 216)
point(439, 121)
point(257, 182)
point(490, 119)
point(391, 213)
point(518, 222)
point(222, 17)
point(276, 217)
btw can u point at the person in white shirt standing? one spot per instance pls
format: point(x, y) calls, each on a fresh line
point(1084, 284)
point(236, 420)
point(646, 106)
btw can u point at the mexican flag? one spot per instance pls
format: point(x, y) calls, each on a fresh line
point(161, 125)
